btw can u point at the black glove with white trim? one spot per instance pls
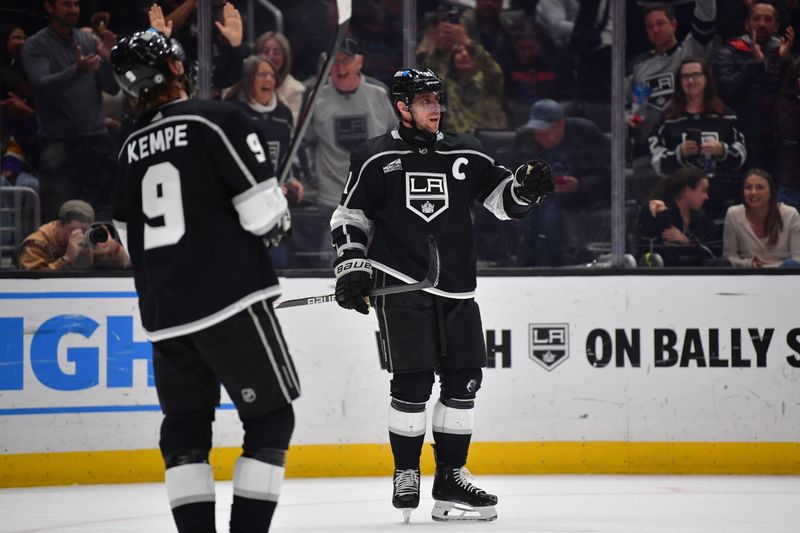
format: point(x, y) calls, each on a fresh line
point(353, 280)
point(533, 181)
point(281, 231)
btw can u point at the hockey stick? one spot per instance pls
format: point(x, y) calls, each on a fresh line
point(431, 280)
point(344, 7)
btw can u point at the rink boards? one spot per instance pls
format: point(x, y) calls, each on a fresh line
point(587, 374)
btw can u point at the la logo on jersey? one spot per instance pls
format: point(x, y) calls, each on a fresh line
point(426, 194)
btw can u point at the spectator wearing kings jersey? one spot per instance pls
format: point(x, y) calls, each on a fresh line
point(700, 131)
point(256, 95)
point(652, 82)
point(349, 110)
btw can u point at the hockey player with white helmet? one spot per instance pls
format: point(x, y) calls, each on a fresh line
point(402, 187)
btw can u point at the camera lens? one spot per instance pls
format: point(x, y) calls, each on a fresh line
point(97, 234)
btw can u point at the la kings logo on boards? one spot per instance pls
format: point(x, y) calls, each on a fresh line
point(549, 344)
point(426, 194)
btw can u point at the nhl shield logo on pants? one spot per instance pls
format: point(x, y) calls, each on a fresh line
point(549, 344)
point(426, 194)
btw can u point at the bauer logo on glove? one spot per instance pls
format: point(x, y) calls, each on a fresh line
point(533, 182)
point(353, 280)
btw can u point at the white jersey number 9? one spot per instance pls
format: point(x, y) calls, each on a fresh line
point(161, 198)
point(256, 148)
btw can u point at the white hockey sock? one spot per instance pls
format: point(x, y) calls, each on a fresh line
point(453, 420)
point(189, 483)
point(257, 480)
point(407, 419)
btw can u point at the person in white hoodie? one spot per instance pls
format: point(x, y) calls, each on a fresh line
point(761, 232)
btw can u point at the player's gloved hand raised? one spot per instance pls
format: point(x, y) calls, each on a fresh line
point(353, 280)
point(533, 181)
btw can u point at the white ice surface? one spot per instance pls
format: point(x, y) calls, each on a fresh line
point(550, 504)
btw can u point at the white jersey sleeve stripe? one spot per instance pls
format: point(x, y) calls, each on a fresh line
point(494, 202)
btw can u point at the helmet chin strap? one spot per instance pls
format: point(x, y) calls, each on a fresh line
point(423, 132)
point(416, 135)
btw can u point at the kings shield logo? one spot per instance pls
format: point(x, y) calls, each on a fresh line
point(549, 344)
point(426, 194)
point(661, 87)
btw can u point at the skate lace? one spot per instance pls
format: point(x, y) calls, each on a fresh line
point(464, 479)
point(406, 481)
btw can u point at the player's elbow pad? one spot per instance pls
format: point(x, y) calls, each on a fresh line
point(261, 207)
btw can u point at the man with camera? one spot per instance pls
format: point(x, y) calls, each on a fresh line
point(72, 241)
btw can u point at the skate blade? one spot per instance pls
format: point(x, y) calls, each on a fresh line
point(406, 515)
point(459, 512)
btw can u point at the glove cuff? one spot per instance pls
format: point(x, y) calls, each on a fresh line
point(348, 266)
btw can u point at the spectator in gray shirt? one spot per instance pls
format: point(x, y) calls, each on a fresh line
point(69, 70)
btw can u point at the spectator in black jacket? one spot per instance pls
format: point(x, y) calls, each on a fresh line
point(789, 138)
point(579, 154)
point(749, 70)
point(673, 223)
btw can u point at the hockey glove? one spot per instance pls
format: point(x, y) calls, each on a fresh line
point(533, 181)
point(353, 280)
point(280, 231)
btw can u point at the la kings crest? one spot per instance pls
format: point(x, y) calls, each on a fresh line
point(549, 344)
point(426, 194)
point(662, 87)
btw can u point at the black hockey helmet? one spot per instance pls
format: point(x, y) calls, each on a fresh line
point(411, 81)
point(140, 61)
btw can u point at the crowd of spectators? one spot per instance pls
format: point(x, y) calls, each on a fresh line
point(706, 104)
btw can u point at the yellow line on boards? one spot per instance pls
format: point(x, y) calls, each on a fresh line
point(331, 460)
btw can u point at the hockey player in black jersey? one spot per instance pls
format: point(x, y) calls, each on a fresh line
point(199, 207)
point(405, 185)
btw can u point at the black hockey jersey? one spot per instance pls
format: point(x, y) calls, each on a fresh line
point(196, 193)
point(276, 128)
point(664, 146)
point(397, 193)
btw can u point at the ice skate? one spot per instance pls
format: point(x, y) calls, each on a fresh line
point(405, 495)
point(457, 499)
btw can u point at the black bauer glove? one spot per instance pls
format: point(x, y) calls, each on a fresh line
point(353, 280)
point(533, 181)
